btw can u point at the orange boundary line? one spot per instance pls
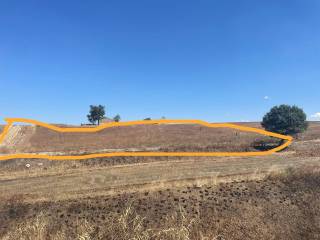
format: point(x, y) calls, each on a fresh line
point(11, 121)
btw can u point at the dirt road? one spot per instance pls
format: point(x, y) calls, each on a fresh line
point(95, 181)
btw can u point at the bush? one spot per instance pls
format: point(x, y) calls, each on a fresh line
point(117, 118)
point(285, 119)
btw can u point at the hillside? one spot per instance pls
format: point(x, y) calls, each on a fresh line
point(158, 137)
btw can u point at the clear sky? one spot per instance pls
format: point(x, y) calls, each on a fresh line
point(215, 60)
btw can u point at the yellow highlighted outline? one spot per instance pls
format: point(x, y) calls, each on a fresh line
point(11, 121)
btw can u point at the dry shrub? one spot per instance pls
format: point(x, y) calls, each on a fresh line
point(129, 225)
point(33, 230)
point(126, 225)
point(179, 227)
point(85, 231)
point(37, 228)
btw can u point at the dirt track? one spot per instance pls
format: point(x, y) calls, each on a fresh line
point(96, 181)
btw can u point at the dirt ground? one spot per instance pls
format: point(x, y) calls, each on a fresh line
point(226, 197)
point(58, 183)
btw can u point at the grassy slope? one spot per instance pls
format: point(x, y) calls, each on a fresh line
point(167, 137)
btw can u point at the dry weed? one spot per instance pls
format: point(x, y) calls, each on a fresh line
point(33, 230)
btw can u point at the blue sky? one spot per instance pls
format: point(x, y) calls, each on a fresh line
point(212, 60)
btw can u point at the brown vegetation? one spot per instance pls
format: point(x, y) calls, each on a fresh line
point(163, 197)
point(284, 206)
point(171, 137)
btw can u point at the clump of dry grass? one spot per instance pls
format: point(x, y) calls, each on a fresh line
point(33, 230)
point(126, 225)
point(130, 225)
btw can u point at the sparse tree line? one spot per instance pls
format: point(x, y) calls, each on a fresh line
point(97, 114)
point(283, 119)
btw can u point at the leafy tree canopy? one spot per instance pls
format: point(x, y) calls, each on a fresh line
point(117, 118)
point(96, 113)
point(285, 119)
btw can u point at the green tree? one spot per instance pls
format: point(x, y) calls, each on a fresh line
point(285, 119)
point(96, 114)
point(147, 119)
point(117, 118)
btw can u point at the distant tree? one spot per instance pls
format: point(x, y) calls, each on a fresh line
point(147, 118)
point(117, 118)
point(285, 119)
point(163, 117)
point(96, 114)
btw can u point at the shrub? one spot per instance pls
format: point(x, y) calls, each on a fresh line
point(117, 118)
point(285, 119)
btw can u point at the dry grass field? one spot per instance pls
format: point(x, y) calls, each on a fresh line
point(171, 137)
point(268, 197)
point(283, 206)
